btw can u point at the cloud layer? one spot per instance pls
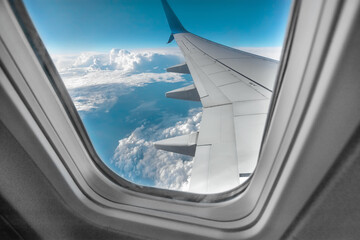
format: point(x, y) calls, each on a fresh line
point(138, 161)
point(95, 80)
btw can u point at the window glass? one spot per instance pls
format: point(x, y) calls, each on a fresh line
point(113, 55)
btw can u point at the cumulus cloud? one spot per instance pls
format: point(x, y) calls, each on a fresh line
point(100, 96)
point(137, 160)
point(95, 80)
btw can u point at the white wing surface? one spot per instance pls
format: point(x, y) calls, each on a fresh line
point(234, 88)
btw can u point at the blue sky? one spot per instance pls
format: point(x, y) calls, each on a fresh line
point(72, 26)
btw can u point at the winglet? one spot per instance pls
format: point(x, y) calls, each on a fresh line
point(171, 38)
point(174, 23)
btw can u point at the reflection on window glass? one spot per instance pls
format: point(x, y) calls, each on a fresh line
point(113, 56)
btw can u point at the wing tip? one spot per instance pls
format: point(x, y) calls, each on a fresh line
point(174, 22)
point(171, 38)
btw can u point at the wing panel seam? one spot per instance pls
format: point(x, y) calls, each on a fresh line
point(227, 66)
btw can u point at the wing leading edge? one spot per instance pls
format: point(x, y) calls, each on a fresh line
point(234, 88)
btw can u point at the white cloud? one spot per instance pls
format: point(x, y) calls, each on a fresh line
point(117, 59)
point(137, 159)
point(103, 77)
point(62, 62)
point(102, 96)
point(95, 80)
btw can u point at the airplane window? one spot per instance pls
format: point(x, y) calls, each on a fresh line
point(204, 136)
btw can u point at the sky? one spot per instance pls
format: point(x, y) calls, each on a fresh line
point(72, 26)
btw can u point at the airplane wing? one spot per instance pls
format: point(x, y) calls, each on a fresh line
point(234, 88)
